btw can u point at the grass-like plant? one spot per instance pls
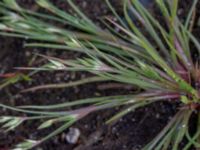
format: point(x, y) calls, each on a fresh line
point(157, 57)
point(12, 78)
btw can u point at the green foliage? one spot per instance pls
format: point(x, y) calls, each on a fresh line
point(12, 79)
point(154, 57)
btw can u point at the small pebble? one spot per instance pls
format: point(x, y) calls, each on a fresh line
point(73, 135)
point(86, 126)
point(84, 4)
point(157, 116)
point(133, 120)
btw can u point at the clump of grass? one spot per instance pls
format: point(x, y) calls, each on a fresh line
point(155, 57)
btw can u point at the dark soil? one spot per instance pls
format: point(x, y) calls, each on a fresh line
point(130, 133)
